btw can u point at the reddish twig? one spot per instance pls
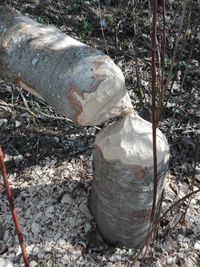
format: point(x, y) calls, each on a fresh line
point(154, 109)
point(178, 202)
point(13, 209)
point(163, 48)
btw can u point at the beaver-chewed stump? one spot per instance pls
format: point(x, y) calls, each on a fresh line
point(86, 86)
point(122, 189)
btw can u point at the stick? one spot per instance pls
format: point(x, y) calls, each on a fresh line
point(13, 209)
point(154, 106)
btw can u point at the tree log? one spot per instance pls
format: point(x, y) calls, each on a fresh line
point(77, 80)
point(122, 189)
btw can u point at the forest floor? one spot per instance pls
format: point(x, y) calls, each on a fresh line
point(49, 159)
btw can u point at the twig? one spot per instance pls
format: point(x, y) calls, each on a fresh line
point(13, 209)
point(26, 104)
point(163, 48)
point(4, 104)
point(102, 31)
point(160, 219)
point(28, 110)
point(192, 46)
point(116, 34)
point(196, 154)
point(25, 101)
point(176, 44)
point(52, 117)
point(184, 77)
point(178, 202)
point(174, 57)
point(43, 114)
point(154, 109)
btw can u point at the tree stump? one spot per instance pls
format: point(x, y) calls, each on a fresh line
point(122, 188)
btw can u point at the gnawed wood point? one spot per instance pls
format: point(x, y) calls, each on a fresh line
point(122, 189)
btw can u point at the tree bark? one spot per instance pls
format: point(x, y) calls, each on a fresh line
point(122, 189)
point(77, 80)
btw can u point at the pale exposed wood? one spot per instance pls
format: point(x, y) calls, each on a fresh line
point(122, 189)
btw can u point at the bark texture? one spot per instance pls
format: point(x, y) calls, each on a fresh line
point(78, 81)
point(122, 189)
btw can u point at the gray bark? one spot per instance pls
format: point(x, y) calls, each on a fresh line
point(77, 80)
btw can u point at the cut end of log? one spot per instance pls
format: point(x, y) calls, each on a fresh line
point(122, 189)
point(130, 141)
point(109, 97)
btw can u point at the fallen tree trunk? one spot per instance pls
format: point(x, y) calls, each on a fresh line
point(77, 80)
point(122, 189)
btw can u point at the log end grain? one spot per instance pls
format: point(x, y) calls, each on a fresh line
point(130, 141)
